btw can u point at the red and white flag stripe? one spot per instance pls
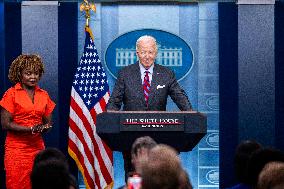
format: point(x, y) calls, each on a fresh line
point(92, 155)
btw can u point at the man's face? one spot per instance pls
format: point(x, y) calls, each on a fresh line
point(146, 52)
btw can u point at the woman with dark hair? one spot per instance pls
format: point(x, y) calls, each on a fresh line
point(243, 153)
point(258, 161)
point(51, 171)
point(25, 114)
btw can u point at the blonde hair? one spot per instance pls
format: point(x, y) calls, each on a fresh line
point(24, 61)
point(271, 176)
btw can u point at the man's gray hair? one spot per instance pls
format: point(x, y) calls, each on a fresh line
point(146, 37)
point(142, 142)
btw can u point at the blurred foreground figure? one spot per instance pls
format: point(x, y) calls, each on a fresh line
point(271, 176)
point(243, 153)
point(51, 171)
point(163, 170)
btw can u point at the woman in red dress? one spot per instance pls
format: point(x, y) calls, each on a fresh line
point(25, 114)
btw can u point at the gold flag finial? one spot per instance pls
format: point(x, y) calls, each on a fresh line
point(87, 7)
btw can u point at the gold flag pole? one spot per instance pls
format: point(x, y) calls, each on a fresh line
point(87, 7)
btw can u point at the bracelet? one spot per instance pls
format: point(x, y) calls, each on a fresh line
point(32, 130)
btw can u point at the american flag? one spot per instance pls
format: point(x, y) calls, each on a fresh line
point(89, 95)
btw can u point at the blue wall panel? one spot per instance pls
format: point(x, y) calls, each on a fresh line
point(40, 36)
point(208, 94)
point(247, 84)
point(13, 36)
point(228, 74)
point(279, 73)
point(67, 64)
point(256, 73)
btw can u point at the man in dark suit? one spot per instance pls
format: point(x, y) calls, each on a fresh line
point(129, 86)
point(145, 86)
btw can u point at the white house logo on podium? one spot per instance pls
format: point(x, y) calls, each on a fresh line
point(173, 52)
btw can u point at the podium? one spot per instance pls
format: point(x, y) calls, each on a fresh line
point(181, 130)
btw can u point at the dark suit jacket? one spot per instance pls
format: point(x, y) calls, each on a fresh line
point(129, 90)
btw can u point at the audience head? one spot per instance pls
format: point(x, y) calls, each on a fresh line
point(49, 154)
point(50, 171)
point(259, 159)
point(243, 153)
point(184, 180)
point(271, 176)
point(140, 149)
point(162, 169)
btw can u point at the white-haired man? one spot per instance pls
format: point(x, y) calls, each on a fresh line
point(145, 86)
point(131, 90)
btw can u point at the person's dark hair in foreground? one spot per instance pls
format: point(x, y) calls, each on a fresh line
point(243, 153)
point(50, 154)
point(259, 159)
point(50, 171)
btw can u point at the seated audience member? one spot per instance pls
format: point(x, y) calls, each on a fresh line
point(139, 151)
point(242, 155)
point(51, 171)
point(163, 169)
point(49, 154)
point(271, 176)
point(259, 159)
